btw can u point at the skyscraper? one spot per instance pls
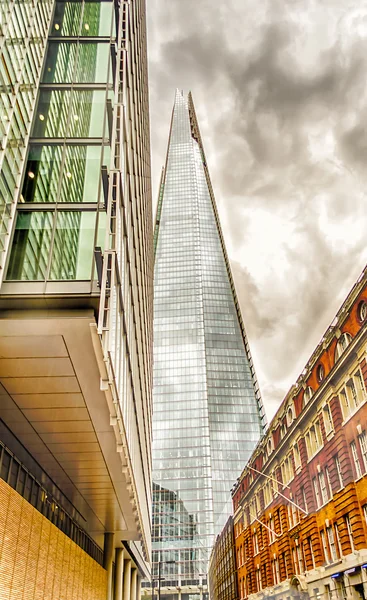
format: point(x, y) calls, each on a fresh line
point(208, 414)
point(75, 300)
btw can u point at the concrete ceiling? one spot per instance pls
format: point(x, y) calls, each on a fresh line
point(50, 398)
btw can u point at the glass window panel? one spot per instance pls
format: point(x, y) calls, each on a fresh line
point(81, 174)
point(60, 62)
point(73, 245)
point(92, 63)
point(87, 113)
point(97, 19)
point(42, 174)
point(52, 114)
point(67, 18)
point(31, 246)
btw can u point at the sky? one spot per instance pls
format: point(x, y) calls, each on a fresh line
point(279, 88)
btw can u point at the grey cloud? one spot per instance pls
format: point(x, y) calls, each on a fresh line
point(267, 118)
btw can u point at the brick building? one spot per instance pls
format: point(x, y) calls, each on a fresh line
point(300, 505)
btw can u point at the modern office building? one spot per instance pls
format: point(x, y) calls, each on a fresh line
point(208, 414)
point(222, 576)
point(76, 300)
point(300, 505)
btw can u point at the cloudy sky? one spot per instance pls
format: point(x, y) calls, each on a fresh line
point(280, 93)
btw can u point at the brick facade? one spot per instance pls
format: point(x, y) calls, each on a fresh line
point(38, 561)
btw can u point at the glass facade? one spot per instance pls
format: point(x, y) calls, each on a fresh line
point(208, 413)
point(23, 36)
point(69, 144)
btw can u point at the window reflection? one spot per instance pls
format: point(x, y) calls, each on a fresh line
point(71, 252)
point(73, 245)
point(62, 174)
point(78, 18)
point(67, 18)
point(77, 62)
point(42, 174)
point(52, 114)
point(31, 246)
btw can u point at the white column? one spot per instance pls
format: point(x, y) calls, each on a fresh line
point(138, 586)
point(127, 579)
point(119, 573)
point(134, 581)
point(107, 561)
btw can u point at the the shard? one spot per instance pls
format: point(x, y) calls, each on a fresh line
point(207, 410)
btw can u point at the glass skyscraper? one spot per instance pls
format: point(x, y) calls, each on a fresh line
point(207, 410)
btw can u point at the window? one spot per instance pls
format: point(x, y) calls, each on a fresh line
point(307, 395)
point(300, 559)
point(362, 311)
point(323, 488)
point(357, 464)
point(258, 579)
point(352, 394)
point(332, 545)
point(304, 499)
point(313, 439)
point(275, 570)
point(255, 542)
point(309, 546)
point(328, 421)
point(343, 343)
point(297, 456)
point(293, 515)
point(272, 533)
point(290, 416)
point(363, 443)
point(337, 538)
point(325, 546)
point(287, 470)
point(320, 373)
point(284, 561)
point(283, 431)
point(350, 531)
point(316, 491)
point(338, 471)
point(268, 495)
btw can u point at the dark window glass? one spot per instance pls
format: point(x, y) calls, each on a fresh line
point(31, 246)
point(42, 174)
point(52, 114)
point(28, 488)
point(5, 465)
point(13, 473)
point(21, 481)
point(67, 19)
point(34, 494)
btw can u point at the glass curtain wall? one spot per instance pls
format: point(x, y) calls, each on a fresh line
point(59, 221)
point(23, 35)
point(207, 415)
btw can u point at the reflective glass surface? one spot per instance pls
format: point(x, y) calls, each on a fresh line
point(69, 144)
point(206, 418)
point(23, 32)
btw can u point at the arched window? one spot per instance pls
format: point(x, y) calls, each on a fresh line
point(289, 416)
point(320, 373)
point(270, 446)
point(362, 311)
point(307, 395)
point(343, 343)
